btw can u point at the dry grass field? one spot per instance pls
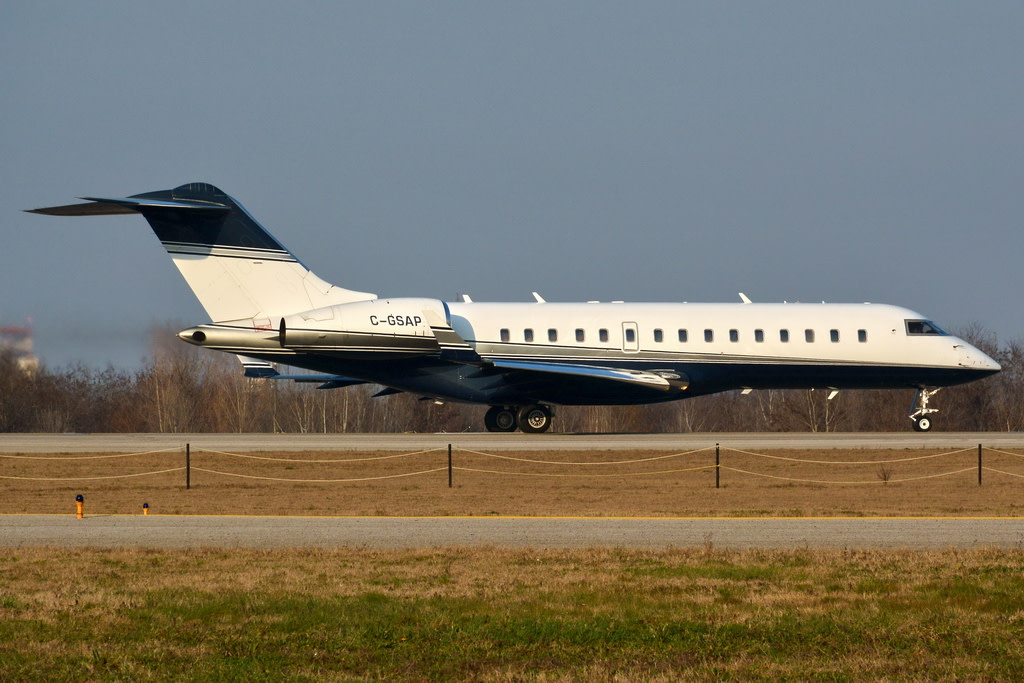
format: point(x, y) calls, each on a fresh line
point(487, 614)
point(602, 483)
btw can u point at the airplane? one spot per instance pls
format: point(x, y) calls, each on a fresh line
point(524, 359)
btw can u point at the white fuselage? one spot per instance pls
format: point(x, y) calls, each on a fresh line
point(789, 334)
point(560, 353)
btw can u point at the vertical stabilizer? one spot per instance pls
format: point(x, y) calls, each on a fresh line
point(234, 266)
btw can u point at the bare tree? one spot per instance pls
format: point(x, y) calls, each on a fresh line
point(182, 388)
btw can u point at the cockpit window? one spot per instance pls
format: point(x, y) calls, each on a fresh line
point(915, 327)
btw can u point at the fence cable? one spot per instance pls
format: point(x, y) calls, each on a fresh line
point(318, 481)
point(879, 479)
point(996, 450)
point(1009, 474)
point(610, 462)
point(841, 483)
point(848, 462)
point(87, 457)
point(111, 476)
point(196, 449)
point(580, 476)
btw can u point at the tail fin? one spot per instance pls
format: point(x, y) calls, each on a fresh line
point(234, 266)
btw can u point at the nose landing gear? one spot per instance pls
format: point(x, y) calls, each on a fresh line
point(920, 412)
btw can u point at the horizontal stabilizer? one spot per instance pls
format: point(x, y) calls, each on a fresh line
point(90, 209)
point(97, 206)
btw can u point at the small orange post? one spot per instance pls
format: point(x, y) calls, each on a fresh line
point(145, 508)
point(80, 503)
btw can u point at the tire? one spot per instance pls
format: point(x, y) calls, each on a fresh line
point(500, 419)
point(534, 419)
point(923, 424)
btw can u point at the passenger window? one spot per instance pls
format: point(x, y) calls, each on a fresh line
point(834, 335)
point(759, 336)
point(528, 335)
point(505, 335)
point(862, 336)
point(734, 335)
point(809, 336)
point(783, 335)
point(630, 335)
point(709, 335)
point(552, 335)
point(659, 336)
point(603, 335)
point(579, 335)
point(682, 335)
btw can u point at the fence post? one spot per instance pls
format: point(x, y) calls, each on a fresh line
point(188, 466)
point(449, 465)
point(718, 468)
point(979, 464)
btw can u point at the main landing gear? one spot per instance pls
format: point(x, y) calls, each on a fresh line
point(531, 419)
point(920, 412)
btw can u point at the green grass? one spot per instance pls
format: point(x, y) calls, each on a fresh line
point(509, 615)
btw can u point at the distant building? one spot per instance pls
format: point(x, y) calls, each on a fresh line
point(16, 342)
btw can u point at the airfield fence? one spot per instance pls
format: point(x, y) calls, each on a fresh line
point(712, 459)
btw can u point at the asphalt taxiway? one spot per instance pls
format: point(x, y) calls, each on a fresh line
point(160, 531)
point(128, 443)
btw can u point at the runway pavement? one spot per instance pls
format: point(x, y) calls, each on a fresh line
point(160, 531)
point(129, 443)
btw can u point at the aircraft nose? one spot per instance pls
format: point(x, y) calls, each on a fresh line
point(977, 359)
point(989, 365)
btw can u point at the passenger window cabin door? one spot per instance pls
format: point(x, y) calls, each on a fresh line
point(630, 338)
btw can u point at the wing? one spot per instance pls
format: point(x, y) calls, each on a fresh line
point(662, 380)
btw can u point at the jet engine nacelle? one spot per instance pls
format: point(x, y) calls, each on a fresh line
point(400, 327)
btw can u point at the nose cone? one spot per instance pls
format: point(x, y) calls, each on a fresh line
point(977, 360)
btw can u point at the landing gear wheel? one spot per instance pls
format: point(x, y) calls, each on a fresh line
point(500, 419)
point(534, 419)
point(920, 413)
point(923, 424)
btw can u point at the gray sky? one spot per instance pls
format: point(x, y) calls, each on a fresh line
point(869, 151)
